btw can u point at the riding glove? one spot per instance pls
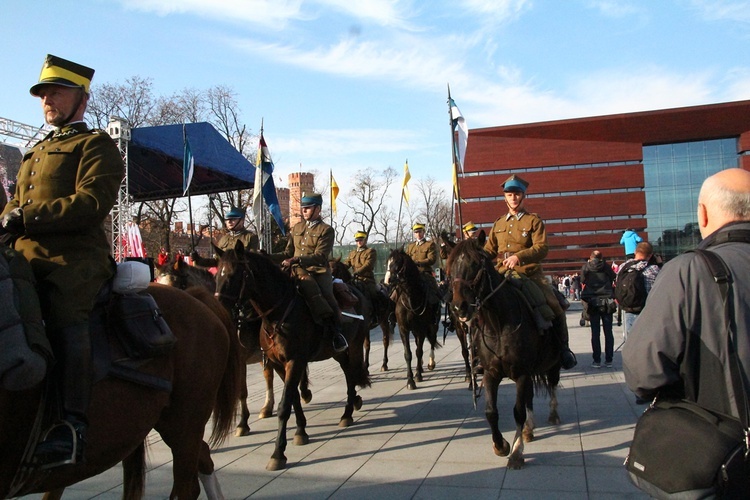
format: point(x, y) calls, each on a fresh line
point(12, 222)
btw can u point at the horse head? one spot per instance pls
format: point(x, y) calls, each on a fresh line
point(339, 270)
point(470, 270)
point(231, 277)
point(178, 273)
point(400, 268)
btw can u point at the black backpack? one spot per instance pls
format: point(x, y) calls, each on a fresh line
point(630, 288)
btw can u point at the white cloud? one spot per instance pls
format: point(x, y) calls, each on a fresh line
point(723, 10)
point(270, 13)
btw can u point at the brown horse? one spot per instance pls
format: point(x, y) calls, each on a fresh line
point(289, 337)
point(203, 371)
point(180, 274)
point(416, 312)
point(508, 342)
point(384, 317)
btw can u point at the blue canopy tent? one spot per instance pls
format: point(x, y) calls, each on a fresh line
point(155, 162)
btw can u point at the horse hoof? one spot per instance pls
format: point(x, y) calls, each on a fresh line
point(504, 451)
point(419, 377)
point(306, 396)
point(553, 420)
point(301, 439)
point(516, 463)
point(346, 422)
point(265, 413)
point(242, 431)
point(411, 385)
point(384, 368)
point(358, 403)
point(431, 365)
point(276, 464)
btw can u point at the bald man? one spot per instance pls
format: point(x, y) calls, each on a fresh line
point(682, 308)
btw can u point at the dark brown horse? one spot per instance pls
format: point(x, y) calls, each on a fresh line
point(289, 337)
point(180, 274)
point(508, 342)
point(384, 316)
point(203, 370)
point(417, 311)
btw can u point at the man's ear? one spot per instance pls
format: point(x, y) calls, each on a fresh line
point(702, 216)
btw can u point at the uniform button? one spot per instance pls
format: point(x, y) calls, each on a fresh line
point(33, 172)
point(41, 148)
point(31, 186)
point(29, 201)
point(37, 218)
point(57, 149)
point(36, 160)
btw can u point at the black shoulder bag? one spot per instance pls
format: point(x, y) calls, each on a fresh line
point(681, 450)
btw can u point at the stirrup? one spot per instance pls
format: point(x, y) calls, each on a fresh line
point(71, 459)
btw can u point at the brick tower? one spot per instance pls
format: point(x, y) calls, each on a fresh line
point(299, 184)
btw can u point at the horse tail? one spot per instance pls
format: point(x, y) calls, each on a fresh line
point(542, 385)
point(134, 473)
point(227, 399)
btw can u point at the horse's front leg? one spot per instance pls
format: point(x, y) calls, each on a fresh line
point(291, 373)
point(267, 410)
point(386, 329)
point(407, 357)
point(420, 355)
point(243, 427)
point(524, 394)
point(554, 417)
point(500, 446)
point(461, 334)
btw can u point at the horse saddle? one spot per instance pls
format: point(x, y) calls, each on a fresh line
point(128, 330)
point(534, 297)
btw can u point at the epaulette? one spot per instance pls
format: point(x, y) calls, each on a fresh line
point(97, 131)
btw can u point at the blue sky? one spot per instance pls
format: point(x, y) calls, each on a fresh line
point(349, 85)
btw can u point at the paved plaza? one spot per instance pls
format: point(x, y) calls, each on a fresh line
point(429, 443)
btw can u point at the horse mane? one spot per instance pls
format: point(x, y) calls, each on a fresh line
point(340, 271)
point(473, 251)
point(410, 268)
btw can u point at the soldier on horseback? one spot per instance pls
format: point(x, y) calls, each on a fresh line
point(308, 248)
point(519, 242)
point(424, 254)
point(234, 220)
point(362, 261)
point(67, 184)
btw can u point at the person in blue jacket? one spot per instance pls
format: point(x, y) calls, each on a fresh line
point(629, 240)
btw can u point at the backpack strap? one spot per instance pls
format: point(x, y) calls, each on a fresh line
point(722, 277)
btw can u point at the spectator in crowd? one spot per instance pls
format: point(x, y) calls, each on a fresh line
point(598, 276)
point(629, 240)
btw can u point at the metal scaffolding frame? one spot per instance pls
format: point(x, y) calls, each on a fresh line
point(119, 129)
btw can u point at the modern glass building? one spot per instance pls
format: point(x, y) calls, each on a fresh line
point(592, 178)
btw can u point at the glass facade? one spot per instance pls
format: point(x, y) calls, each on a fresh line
point(673, 176)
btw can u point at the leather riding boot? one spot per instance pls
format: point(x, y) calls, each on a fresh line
point(339, 341)
point(64, 442)
point(567, 358)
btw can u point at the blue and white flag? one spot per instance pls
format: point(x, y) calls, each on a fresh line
point(461, 133)
point(264, 185)
point(188, 165)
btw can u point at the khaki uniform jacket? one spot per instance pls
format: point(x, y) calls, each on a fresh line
point(362, 262)
point(67, 184)
point(423, 254)
point(313, 244)
point(523, 235)
point(229, 240)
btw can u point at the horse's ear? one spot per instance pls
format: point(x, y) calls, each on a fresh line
point(482, 238)
point(239, 247)
point(218, 251)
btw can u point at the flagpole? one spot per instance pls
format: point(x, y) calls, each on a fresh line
point(454, 157)
point(258, 198)
point(330, 192)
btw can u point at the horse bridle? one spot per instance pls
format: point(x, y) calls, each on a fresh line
point(478, 284)
point(407, 303)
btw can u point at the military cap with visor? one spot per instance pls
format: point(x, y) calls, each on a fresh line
point(418, 227)
point(360, 235)
point(235, 213)
point(59, 71)
point(515, 183)
point(310, 200)
point(469, 227)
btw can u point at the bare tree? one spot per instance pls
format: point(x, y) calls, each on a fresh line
point(367, 199)
point(133, 100)
point(435, 211)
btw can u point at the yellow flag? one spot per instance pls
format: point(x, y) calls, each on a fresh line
point(404, 187)
point(334, 193)
point(455, 182)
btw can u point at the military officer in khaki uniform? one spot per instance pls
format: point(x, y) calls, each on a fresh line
point(519, 242)
point(66, 186)
point(362, 262)
point(421, 250)
point(236, 231)
point(307, 252)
